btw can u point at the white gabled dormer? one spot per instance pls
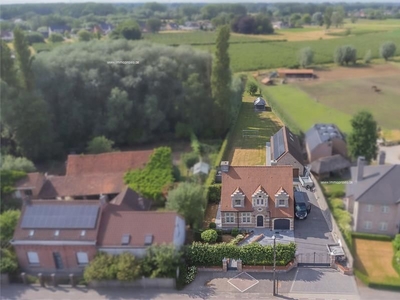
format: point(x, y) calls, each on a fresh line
point(281, 198)
point(260, 197)
point(237, 198)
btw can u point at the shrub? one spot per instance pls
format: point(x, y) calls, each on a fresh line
point(128, 268)
point(8, 222)
point(234, 232)
point(9, 162)
point(160, 261)
point(214, 193)
point(190, 274)
point(212, 225)
point(209, 236)
point(237, 239)
point(8, 265)
point(337, 194)
point(189, 159)
point(368, 57)
point(34, 37)
point(368, 236)
point(99, 144)
point(337, 204)
point(252, 88)
point(396, 242)
point(176, 173)
point(102, 267)
point(55, 38)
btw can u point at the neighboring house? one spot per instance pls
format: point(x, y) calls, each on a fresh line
point(190, 26)
point(259, 104)
point(103, 28)
point(170, 26)
point(61, 29)
point(105, 163)
point(7, 36)
point(284, 149)
point(324, 140)
point(130, 200)
point(201, 168)
point(56, 236)
point(280, 25)
point(134, 232)
point(258, 196)
point(326, 167)
point(373, 198)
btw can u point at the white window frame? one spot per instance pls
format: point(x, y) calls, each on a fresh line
point(82, 258)
point(368, 225)
point(33, 258)
point(383, 226)
point(281, 205)
point(385, 209)
point(246, 217)
point(235, 202)
point(370, 207)
point(229, 217)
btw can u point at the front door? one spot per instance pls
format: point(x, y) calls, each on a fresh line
point(260, 221)
point(58, 260)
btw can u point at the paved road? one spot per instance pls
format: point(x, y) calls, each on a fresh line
point(312, 234)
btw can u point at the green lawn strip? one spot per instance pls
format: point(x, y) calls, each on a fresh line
point(303, 110)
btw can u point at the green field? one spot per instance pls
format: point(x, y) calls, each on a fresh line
point(256, 56)
point(304, 111)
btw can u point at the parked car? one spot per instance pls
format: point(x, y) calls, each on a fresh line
point(302, 206)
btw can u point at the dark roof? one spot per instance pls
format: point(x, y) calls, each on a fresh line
point(329, 164)
point(321, 133)
point(130, 200)
point(259, 101)
point(380, 185)
point(285, 141)
point(247, 180)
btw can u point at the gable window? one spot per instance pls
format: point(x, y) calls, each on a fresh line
point(33, 258)
point(229, 217)
point(370, 207)
point(281, 202)
point(82, 258)
point(385, 209)
point(383, 226)
point(238, 202)
point(246, 217)
point(367, 225)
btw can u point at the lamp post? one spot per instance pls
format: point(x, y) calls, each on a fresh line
point(273, 290)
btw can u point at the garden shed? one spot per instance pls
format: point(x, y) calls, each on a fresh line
point(201, 168)
point(260, 104)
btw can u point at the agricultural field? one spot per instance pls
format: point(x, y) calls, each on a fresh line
point(250, 151)
point(374, 259)
point(256, 56)
point(349, 90)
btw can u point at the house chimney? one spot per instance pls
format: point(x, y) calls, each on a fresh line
point(360, 168)
point(381, 157)
point(268, 153)
point(225, 166)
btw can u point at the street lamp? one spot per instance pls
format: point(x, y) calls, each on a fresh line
point(274, 238)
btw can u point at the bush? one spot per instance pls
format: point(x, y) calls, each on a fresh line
point(190, 274)
point(8, 265)
point(237, 239)
point(234, 232)
point(212, 225)
point(368, 236)
point(128, 268)
point(102, 267)
point(160, 261)
point(337, 194)
point(189, 159)
point(34, 37)
point(99, 144)
point(214, 193)
point(209, 236)
point(56, 38)
point(337, 204)
point(9, 162)
point(367, 57)
point(396, 242)
point(176, 173)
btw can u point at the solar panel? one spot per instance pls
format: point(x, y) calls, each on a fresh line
point(279, 144)
point(60, 216)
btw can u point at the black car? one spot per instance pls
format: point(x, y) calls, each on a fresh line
point(302, 207)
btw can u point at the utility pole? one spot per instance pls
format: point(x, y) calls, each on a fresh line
point(273, 291)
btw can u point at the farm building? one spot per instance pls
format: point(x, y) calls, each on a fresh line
point(267, 81)
point(260, 104)
point(325, 167)
point(296, 73)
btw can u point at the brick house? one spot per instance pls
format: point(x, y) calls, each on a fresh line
point(56, 236)
point(373, 198)
point(284, 149)
point(258, 196)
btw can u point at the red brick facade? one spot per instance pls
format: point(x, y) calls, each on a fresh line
point(46, 260)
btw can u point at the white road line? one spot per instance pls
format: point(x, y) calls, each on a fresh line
point(250, 286)
point(294, 280)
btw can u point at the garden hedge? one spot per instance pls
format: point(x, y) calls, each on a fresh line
point(199, 254)
point(214, 193)
point(368, 236)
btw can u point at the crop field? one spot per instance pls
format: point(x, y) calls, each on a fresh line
point(250, 151)
point(374, 259)
point(349, 90)
point(256, 56)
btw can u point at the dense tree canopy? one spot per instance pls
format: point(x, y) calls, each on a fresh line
point(8, 222)
point(129, 30)
point(99, 144)
point(362, 140)
point(247, 24)
point(9, 162)
point(388, 50)
point(306, 57)
point(345, 55)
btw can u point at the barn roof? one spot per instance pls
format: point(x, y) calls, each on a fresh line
point(329, 164)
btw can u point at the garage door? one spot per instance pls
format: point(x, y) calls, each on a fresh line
point(295, 173)
point(282, 224)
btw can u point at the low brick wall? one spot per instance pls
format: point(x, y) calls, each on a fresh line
point(343, 270)
point(210, 269)
point(166, 283)
point(270, 269)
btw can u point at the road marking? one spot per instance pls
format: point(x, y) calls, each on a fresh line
point(294, 280)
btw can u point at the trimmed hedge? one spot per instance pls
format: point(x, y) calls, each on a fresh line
point(376, 285)
point(214, 193)
point(368, 236)
point(199, 254)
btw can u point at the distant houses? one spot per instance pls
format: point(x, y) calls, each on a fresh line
point(61, 29)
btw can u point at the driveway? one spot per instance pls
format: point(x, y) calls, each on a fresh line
point(392, 154)
point(312, 234)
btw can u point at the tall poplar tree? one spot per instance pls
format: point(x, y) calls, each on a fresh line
point(221, 79)
point(24, 58)
point(7, 68)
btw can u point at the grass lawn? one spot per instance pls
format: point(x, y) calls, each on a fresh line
point(374, 259)
point(304, 110)
point(251, 150)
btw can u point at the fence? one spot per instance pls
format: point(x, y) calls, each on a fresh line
point(164, 283)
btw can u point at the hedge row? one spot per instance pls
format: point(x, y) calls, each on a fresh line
point(199, 254)
point(375, 285)
point(368, 236)
point(214, 193)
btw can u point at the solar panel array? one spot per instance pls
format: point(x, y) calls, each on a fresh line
point(279, 144)
point(60, 216)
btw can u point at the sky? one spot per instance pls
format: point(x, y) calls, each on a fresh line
point(188, 1)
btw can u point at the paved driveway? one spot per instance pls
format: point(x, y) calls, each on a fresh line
point(392, 154)
point(312, 234)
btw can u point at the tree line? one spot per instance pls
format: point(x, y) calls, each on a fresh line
point(57, 101)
